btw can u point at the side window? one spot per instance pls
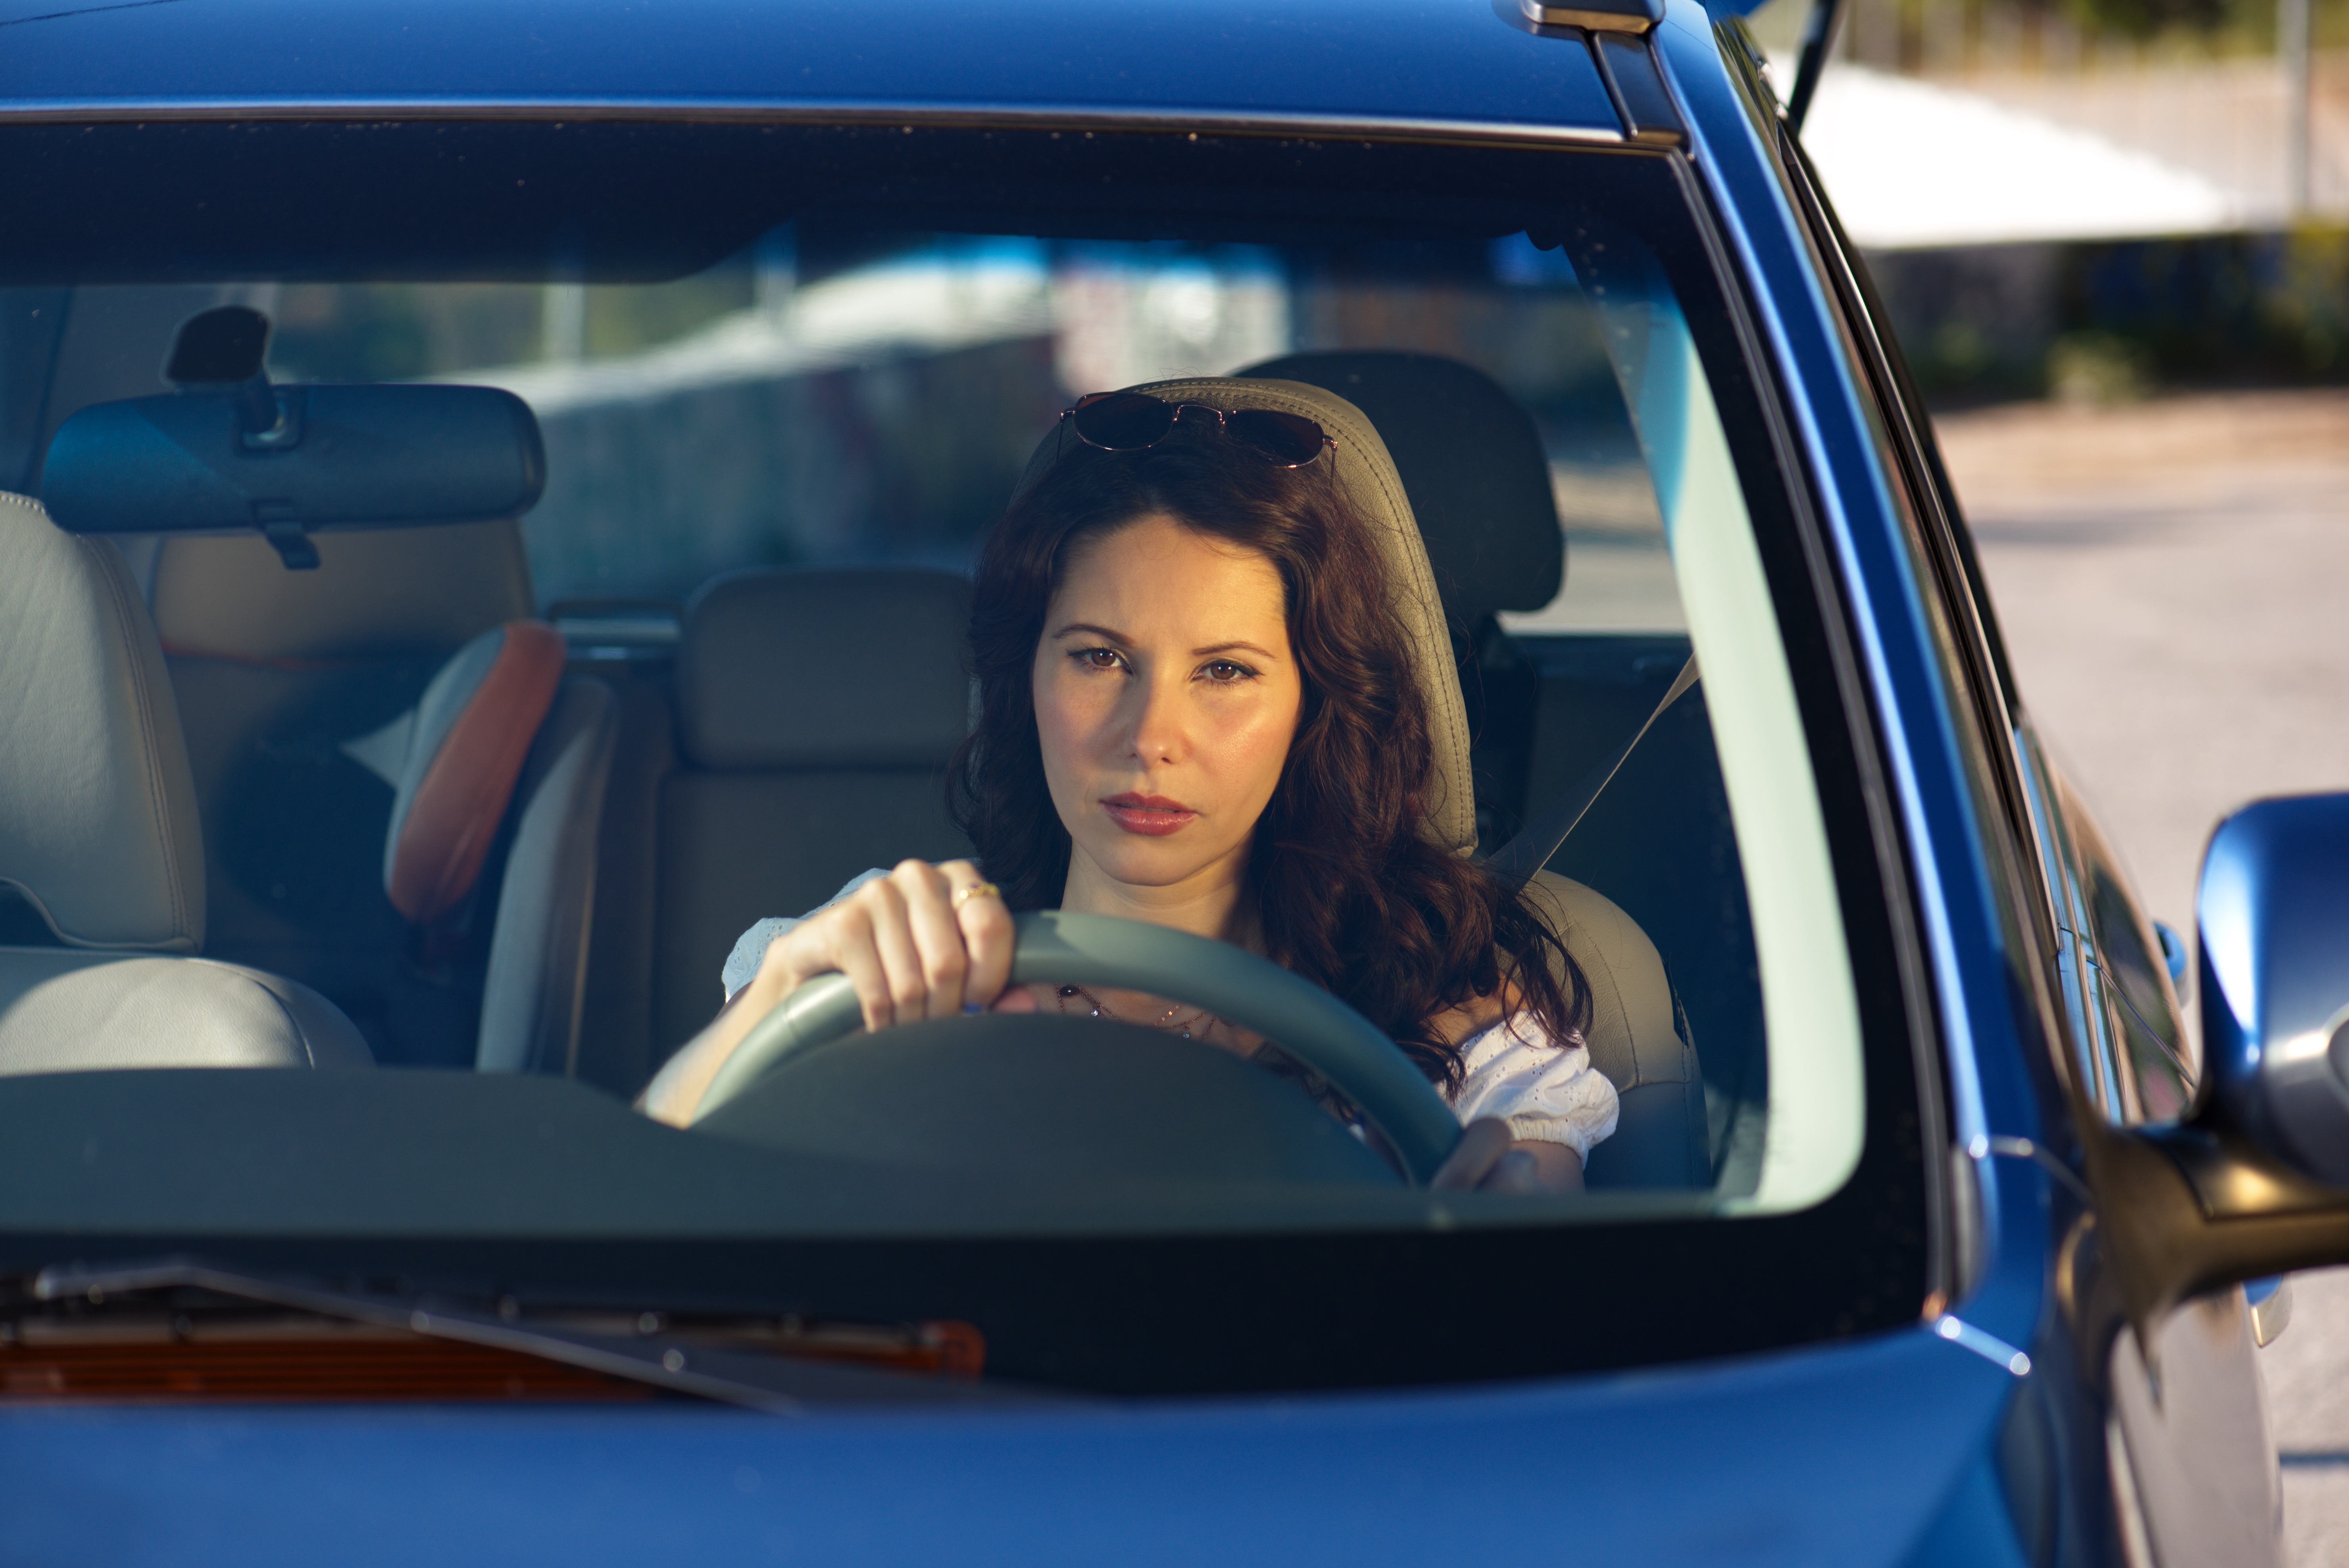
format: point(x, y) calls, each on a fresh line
point(2151, 1049)
point(2126, 1024)
point(2112, 982)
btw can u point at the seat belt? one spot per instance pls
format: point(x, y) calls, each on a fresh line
point(1531, 848)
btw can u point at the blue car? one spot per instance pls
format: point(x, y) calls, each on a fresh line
point(492, 491)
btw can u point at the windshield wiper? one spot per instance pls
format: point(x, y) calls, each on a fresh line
point(653, 1354)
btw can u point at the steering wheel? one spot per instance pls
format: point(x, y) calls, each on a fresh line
point(1311, 1024)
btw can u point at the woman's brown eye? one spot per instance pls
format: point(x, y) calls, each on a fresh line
point(1222, 671)
point(1100, 658)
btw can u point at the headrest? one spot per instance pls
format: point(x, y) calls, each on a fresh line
point(453, 762)
point(1367, 476)
point(98, 810)
point(1472, 463)
point(825, 667)
point(389, 591)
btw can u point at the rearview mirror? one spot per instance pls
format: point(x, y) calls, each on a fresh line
point(233, 453)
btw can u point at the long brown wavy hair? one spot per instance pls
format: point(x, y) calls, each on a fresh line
point(1348, 890)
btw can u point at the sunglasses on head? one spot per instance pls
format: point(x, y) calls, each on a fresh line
point(1129, 421)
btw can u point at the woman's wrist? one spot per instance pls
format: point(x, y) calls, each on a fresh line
point(677, 1090)
point(764, 989)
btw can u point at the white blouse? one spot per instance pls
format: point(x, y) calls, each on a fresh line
point(1545, 1089)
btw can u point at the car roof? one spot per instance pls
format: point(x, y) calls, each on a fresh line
point(1443, 65)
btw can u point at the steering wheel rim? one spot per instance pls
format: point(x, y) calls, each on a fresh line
point(1311, 1024)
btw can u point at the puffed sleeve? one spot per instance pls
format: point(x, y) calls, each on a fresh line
point(1547, 1090)
point(750, 947)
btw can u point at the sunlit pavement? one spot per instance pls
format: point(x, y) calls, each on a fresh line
point(2174, 582)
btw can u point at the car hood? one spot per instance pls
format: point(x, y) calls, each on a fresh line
point(1846, 1454)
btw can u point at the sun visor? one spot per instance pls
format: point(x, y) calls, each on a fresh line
point(338, 456)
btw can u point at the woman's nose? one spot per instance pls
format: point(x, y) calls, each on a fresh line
point(1157, 732)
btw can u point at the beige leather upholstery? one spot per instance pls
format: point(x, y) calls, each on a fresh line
point(97, 813)
point(266, 662)
point(1471, 462)
point(1369, 477)
point(65, 1011)
point(374, 592)
point(98, 828)
point(1632, 1038)
point(1660, 1136)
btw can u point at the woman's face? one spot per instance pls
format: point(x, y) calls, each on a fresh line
point(1166, 696)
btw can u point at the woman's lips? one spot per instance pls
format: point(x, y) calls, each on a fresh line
point(1153, 814)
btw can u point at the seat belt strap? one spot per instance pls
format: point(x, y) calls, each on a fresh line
point(1526, 853)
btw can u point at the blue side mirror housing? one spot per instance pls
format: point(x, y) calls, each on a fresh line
point(2273, 911)
point(2254, 1181)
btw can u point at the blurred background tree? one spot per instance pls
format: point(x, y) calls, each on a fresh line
point(2206, 94)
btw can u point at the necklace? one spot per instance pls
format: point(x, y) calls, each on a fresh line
point(1099, 1011)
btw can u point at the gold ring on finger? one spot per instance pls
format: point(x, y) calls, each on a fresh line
point(962, 895)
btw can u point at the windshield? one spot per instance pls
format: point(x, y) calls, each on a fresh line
point(770, 441)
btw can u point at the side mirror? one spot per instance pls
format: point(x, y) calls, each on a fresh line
point(2273, 908)
point(2255, 1180)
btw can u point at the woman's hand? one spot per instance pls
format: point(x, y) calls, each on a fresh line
point(1489, 1159)
point(924, 942)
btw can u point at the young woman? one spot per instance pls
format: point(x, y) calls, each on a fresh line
point(1198, 710)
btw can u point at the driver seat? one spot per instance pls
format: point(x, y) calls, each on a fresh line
point(1659, 1140)
point(100, 860)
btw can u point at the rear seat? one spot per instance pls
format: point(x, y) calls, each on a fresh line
point(816, 710)
point(407, 655)
point(500, 768)
point(571, 920)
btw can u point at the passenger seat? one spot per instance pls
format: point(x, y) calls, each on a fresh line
point(99, 838)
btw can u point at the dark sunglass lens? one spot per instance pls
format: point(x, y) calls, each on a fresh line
point(1124, 421)
point(1289, 439)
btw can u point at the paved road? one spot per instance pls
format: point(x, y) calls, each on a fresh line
point(2173, 583)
